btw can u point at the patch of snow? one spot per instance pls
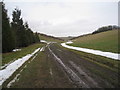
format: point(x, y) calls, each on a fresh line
point(51, 72)
point(25, 66)
point(29, 61)
point(43, 41)
point(21, 70)
point(96, 52)
point(34, 57)
point(15, 50)
point(2, 67)
point(47, 42)
point(42, 49)
point(5, 65)
point(46, 45)
point(11, 82)
point(11, 68)
point(69, 42)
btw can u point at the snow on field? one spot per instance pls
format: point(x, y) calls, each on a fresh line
point(43, 41)
point(69, 42)
point(11, 68)
point(2, 67)
point(96, 52)
point(14, 50)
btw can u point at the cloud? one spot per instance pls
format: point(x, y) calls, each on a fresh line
point(61, 0)
point(66, 18)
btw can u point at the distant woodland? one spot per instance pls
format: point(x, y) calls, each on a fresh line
point(106, 28)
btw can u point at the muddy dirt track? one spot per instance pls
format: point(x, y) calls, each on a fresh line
point(76, 68)
point(57, 67)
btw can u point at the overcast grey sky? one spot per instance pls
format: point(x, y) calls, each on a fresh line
point(66, 17)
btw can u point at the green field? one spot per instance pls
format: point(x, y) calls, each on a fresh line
point(11, 56)
point(104, 41)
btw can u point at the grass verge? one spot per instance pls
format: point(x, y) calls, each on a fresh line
point(11, 56)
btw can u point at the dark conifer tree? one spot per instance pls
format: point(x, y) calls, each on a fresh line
point(19, 34)
point(7, 35)
point(37, 37)
point(18, 27)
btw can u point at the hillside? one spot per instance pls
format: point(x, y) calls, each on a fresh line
point(49, 38)
point(104, 41)
point(66, 38)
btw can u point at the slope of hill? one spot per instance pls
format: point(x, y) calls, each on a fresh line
point(66, 38)
point(104, 41)
point(49, 38)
